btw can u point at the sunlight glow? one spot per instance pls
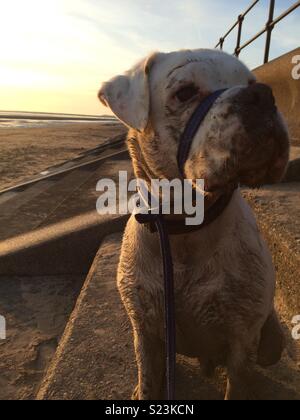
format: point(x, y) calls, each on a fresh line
point(54, 54)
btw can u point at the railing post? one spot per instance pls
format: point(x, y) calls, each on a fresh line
point(221, 43)
point(270, 27)
point(239, 37)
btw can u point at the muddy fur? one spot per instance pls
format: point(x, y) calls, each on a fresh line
point(224, 275)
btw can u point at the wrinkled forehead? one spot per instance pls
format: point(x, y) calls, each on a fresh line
point(212, 69)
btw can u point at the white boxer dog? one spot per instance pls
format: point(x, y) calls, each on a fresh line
point(224, 275)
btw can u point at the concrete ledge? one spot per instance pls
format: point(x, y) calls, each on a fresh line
point(95, 357)
point(293, 172)
point(278, 208)
point(278, 74)
point(68, 247)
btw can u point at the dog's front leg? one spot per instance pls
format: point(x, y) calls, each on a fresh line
point(151, 366)
point(240, 372)
point(147, 321)
point(141, 289)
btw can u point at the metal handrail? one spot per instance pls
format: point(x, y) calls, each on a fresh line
point(270, 25)
point(242, 16)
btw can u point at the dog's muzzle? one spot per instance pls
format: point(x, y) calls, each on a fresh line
point(193, 126)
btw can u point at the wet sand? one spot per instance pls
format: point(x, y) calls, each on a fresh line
point(36, 310)
point(25, 152)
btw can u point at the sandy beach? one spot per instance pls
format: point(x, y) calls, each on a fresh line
point(24, 152)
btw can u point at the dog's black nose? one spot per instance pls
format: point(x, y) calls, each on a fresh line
point(259, 96)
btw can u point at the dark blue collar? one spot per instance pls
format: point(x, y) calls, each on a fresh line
point(192, 127)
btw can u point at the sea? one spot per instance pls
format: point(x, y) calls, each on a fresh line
point(16, 119)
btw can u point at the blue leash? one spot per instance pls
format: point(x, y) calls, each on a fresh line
point(170, 325)
point(161, 227)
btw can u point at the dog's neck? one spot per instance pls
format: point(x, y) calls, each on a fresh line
point(176, 224)
point(214, 202)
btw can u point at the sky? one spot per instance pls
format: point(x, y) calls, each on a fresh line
point(54, 54)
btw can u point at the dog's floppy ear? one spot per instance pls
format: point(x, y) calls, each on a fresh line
point(128, 95)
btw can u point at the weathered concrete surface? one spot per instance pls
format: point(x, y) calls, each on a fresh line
point(295, 153)
point(95, 359)
point(67, 247)
point(59, 230)
point(60, 198)
point(293, 171)
point(278, 74)
point(278, 208)
point(36, 310)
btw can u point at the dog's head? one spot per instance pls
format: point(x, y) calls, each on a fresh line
point(242, 139)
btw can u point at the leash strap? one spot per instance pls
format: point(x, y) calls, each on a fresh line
point(161, 227)
point(193, 126)
point(170, 324)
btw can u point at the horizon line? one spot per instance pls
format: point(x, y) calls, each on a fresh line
point(57, 113)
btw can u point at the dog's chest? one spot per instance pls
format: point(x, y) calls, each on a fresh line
point(200, 302)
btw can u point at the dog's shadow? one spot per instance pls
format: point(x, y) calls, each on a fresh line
point(281, 382)
point(192, 385)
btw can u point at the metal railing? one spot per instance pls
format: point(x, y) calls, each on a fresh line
point(270, 25)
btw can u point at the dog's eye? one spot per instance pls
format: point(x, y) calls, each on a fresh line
point(186, 93)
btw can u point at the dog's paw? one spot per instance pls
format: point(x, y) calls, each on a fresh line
point(240, 393)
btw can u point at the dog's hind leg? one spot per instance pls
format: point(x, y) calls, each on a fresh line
point(272, 342)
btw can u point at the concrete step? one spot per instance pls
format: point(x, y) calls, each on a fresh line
point(58, 198)
point(293, 171)
point(278, 208)
point(95, 358)
point(104, 150)
point(295, 153)
point(56, 229)
point(65, 248)
point(84, 197)
point(278, 74)
point(11, 201)
point(100, 152)
point(29, 207)
point(6, 197)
